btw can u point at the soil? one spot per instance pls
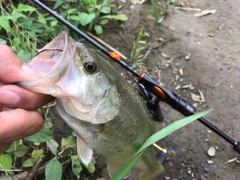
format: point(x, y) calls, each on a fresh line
point(190, 55)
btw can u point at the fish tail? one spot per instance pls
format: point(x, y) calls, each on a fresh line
point(150, 168)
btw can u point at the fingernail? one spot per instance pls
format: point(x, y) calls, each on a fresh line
point(30, 72)
point(8, 97)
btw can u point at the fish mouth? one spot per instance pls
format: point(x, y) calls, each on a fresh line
point(52, 57)
point(88, 112)
point(50, 64)
point(87, 97)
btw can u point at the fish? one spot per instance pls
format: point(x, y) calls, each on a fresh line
point(97, 103)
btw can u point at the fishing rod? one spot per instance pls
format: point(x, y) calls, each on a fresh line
point(151, 85)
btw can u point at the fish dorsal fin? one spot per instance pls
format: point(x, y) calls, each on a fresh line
point(84, 151)
point(114, 166)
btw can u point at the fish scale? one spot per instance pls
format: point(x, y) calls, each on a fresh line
point(105, 112)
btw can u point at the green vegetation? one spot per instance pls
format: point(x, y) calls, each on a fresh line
point(137, 47)
point(23, 28)
point(25, 153)
point(90, 13)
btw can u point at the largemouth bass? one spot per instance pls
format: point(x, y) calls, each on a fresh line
point(105, 112)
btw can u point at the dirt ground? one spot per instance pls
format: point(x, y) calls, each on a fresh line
point(213, 68)
point(200, 55)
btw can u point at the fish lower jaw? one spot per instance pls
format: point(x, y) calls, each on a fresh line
point(87, 113)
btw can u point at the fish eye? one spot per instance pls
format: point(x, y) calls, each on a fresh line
point(90, 67)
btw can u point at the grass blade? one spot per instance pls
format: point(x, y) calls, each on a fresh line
point(152, 139)
point(127, 167)
point(171, 128)
point(155, 10)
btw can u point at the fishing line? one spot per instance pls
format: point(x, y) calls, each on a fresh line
point(59, 50)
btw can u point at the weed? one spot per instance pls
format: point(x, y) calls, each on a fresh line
point(135, 58)
point(175, 3)
point(24, 28)
point(41, 145)
point(159, 10)
point(88, 13)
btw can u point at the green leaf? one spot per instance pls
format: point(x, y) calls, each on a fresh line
point(155, 10)
point(63, 14)
point(25, 8)
point(53, 170)
point(105, 10)
point(5, 162)
point(76, 165)
point(53, 145)
point(43, 135)
point(90, 167)
point(41, 18)
point(70, 11)
point(36, 154)
point(75, 18)
point(121, 17)
point(13, 146)
point(98, 29)
point(65, 153)
point(4, 23)
point(85, 18)
point(53, 23)
point(106, 2)
point(103, 21)
point(24, 56)
point(127, 167)
point(16, 41)
point(16, 14)
point(86, 2)
point(21, 150)
point(25, 23)
point(69, 142)
point(28, 162)
point(58, 4)
point(3, 41)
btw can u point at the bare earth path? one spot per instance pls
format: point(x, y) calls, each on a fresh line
point(213, 42)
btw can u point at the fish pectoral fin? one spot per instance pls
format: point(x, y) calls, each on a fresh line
point(114, 166)
point(84, 151)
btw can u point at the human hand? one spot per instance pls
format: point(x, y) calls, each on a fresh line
point(18, 115)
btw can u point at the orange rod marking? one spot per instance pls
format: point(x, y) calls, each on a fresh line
point(155, 88)
point(141, 76)
point(159, 92)
point(115, 56)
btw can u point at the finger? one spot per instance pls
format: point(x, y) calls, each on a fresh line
point(14, 96)
point(18, 123)
point(4, 147)
point(9, 62)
